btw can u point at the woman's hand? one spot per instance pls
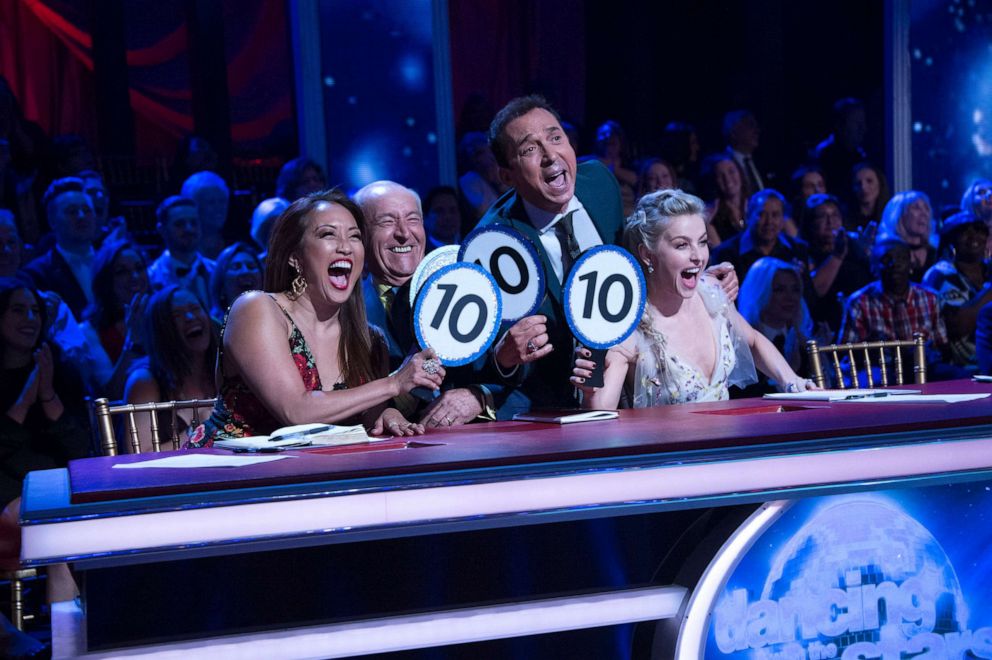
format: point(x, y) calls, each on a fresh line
point(583, 369)
point(392, 422)
point(421, 369)
point(45, 368)
point(798, 384)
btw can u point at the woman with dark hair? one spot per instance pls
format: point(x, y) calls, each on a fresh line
point(114, 321)
point(870, 193)
point(299, 177)
point(806, 181)
point(725, 186)
point(44, 422)
point(182, 351)
point(236, 270)
point(838, 259)
point(333, 367)
point(655, 174)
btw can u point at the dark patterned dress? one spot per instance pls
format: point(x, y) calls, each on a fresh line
point(238, 412)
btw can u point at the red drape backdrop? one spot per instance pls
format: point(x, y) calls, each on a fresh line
point(46, 55)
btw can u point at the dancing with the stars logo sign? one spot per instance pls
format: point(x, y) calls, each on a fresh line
point(862, 577)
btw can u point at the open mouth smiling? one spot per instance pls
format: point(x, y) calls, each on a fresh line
point(339, 273)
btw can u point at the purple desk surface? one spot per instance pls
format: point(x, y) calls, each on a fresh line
point(717, 425)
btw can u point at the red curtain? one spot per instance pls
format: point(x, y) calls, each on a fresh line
point(46, 61)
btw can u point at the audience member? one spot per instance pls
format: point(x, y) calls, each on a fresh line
point(743, 135)
point(263, 218)
point(181, 263)
point(479, 184)
point(442, 217)
point(236, 271)
point(114, 229)
point(691, 343)
point(893, 307)
point(963, 282)
point(977, 199)
point(114, 322)
point(182, 351)
point(212, 198)
point(844, 147)
point(908, 217)
point(611, 150)
point(333, 366)
point(763, 236)
point(67, 268)
point(723, 185)
point(772, 302)
point(45, 425)
point(838, 260)
point(298, 178)
point(655, 174)
point(806, 181)
point(869, 195)
point(10, 245)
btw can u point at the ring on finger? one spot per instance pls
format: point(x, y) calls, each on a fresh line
point(447, 420)
point(431, 366)
point(531, 346)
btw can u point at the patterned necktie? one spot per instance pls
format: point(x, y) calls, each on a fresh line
point(570, 250)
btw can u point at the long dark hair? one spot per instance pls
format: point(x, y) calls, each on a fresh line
point(168, 357)
point(361, 363)
point(8, 285)
point(105, 310)
point(218, 303)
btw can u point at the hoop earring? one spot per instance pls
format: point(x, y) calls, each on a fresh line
point(297, 287)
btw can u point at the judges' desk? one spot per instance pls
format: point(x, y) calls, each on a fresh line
point(481, 532)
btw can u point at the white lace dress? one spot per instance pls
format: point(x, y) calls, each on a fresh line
point(662, 378)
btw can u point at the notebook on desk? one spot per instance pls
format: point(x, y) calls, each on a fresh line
point(300, 435)
point(839, 395)
point(565, 416)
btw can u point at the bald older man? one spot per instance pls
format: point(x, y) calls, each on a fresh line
point(395, 244)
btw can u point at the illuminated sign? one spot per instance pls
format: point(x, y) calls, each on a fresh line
point(859, 577)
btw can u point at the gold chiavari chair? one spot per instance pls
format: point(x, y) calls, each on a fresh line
point(103, 412)
point(859, 358)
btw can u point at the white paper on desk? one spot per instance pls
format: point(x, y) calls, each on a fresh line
point(919, 398)
point(837, 395)
point(192, 461)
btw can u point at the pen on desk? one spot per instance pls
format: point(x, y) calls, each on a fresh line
point(873, 395)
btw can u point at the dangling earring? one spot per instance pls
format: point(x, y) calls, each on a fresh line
point(650, 268)
point(298, 285)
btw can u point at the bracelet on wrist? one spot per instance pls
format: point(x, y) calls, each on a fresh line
point(54, 396)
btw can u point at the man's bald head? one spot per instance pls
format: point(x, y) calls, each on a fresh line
point(394, 231)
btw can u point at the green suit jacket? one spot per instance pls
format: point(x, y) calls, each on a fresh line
point(544, 384)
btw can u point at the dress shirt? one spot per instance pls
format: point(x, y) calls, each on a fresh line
point(584, 230)
point(81, 266)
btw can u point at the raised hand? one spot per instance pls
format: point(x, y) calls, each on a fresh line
point(421, 369)
point(525, 342)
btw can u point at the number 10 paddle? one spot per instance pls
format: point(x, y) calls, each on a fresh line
point(604, 301)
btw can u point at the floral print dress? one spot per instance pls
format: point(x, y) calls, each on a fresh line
point(238, 412)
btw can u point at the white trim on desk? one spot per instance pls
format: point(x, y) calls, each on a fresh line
point(244, 523)
point(459, 626)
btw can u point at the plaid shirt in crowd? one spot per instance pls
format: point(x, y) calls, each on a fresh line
point(873, 315)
